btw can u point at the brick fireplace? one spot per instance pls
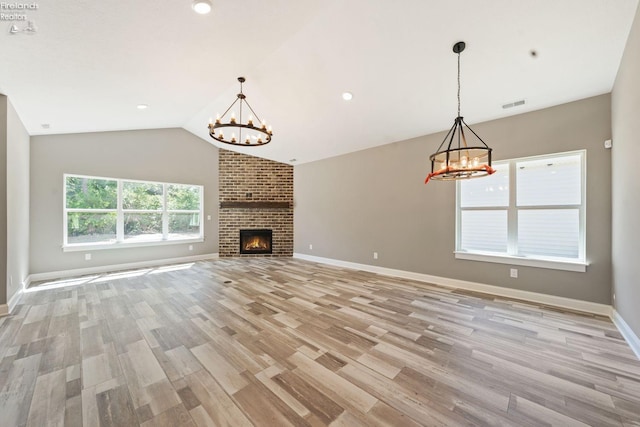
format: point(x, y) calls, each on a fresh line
point(255, 194)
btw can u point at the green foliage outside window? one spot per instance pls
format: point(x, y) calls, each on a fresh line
point(148, 197)
point(184, 223)
point(142, 196)
point(88, 193)
point(145, 196)
point(183, 198)
point(91, 227)
point(136, 224)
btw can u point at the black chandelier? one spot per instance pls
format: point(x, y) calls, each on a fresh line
point(243, 134)
point(461, 159)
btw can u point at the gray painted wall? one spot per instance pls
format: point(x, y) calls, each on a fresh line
point(3, 198)
point(349, 206)
point(626, 186)
point(17, 202)
point(167, 155)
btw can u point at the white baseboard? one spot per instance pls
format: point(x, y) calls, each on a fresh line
point(37, 277)
point(626, 331)
point(15, 299)
point(6, 309)
point(562, 302)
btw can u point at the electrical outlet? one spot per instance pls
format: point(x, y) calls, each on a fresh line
point(87, 257)
point(607, 143)
point(208, 217)
point(514, 273)
point(190, 247)
point(310, 247)
point(375, 255)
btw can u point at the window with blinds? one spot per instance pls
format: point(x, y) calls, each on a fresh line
point(531, 208)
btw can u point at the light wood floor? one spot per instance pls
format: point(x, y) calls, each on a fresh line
point(275, 342)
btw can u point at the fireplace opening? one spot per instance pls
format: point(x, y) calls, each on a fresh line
point(255, 241)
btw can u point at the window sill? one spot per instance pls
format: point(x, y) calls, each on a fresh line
point(78, 247)
point(549, 263)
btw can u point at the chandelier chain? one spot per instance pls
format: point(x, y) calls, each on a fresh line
point(458, 84)
point(240, 117)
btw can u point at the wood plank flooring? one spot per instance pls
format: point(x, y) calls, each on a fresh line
point(278, 342)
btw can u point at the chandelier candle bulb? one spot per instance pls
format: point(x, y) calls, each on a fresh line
point(250, 121)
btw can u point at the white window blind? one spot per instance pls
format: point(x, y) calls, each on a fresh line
point(484, 214)
point(484, 230)
point(530, 208)
point(554, 181)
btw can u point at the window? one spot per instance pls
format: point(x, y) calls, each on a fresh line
point(104, 212)
point(530, 212)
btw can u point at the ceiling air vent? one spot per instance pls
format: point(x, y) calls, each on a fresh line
point(513, 104)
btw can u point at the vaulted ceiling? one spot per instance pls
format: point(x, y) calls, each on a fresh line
point(92, 62)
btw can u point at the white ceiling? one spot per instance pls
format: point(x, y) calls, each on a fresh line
point(91, 62)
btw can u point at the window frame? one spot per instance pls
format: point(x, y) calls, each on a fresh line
point(120, 212)
point(511, 256)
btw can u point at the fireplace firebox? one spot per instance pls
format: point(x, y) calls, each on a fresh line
point(256, 241)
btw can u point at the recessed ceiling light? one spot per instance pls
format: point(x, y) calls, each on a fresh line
point(201, 6)
point(142, 106)
point(45, 125)
point(347, 96)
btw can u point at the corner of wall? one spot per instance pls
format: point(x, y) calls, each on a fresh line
point(629, 335)
point(17, 190)
point(625, 198)
point(3, 202)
